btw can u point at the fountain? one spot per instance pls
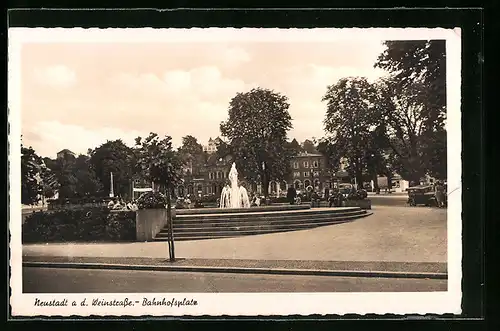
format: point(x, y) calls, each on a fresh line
point(234, 196)
point(210, 223)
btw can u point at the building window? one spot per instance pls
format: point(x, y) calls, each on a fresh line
point(306, 164)
point(306, 173)
point(296, 165)
point(296, 174)
point(315, 164)
point(316, 174)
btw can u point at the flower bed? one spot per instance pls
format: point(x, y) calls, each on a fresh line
point(76, 225)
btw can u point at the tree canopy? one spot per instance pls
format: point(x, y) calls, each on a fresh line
point(309, 146)
point(159, 162)
point(349, 122)
point(31, 167)
point(192, 153)
point(412, 106)
point(256, 130)
point(117, 158)
point(421, 61)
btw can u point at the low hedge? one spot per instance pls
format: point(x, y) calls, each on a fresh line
point(78, 201)
point(74, 225)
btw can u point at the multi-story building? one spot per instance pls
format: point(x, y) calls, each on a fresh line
point(211, 147)
point(309, 171)
point(206, 179)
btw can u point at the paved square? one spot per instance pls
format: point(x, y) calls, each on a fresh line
point(398, 234)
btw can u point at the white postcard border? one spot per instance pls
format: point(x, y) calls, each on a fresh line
point(249, 304)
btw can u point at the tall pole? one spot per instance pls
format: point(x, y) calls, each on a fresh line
point(111, 190)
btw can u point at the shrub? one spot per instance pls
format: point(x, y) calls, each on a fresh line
point(78, 201)
point(152, 200)
point(121, 226)
point(91, 224)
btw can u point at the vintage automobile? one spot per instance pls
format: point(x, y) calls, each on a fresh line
point(421, 195)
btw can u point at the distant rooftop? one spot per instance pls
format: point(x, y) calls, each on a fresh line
point(306, 154)
point(65, 151)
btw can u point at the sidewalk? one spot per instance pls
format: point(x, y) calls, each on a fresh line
point(393, 239)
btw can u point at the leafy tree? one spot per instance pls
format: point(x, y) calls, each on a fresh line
point(87, 183)
point(190, 146)
point(256, 130)
point(294, 146)
point(333, 157)
point(117, 158)
point(223, 149)
point(160, 164)
point(192, 153)
point(31, 165)
point(50, 185)
point(309, 146)
point(405, 116)
point(421, 61)
point(71, 177)
point(418, 70)
point(349, 121)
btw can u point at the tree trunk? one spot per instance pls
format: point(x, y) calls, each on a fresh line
point(359, 180)
point(171, 249)
point(265, 185)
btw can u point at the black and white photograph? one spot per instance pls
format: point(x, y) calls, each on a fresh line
point(169, 172)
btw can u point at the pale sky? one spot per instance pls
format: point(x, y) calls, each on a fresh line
point(78, 95)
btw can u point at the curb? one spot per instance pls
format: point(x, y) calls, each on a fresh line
point(240, 270)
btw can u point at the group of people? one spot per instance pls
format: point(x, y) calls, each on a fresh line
point(335, 198)
point(185, 202)
point(120, 204)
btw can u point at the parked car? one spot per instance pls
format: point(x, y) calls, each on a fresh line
point(421, 195)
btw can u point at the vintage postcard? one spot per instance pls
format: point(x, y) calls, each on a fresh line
point(237, 172)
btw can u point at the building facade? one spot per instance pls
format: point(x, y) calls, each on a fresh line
point(207, 179)
point(309, 171)
point(211, 147)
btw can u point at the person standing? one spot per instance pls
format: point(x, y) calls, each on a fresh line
point(439, 192)
point(291, 195)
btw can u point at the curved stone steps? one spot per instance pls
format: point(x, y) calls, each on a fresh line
point(204, 232)
point(225, 222)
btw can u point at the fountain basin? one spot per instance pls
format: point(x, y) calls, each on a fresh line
point(251, 210)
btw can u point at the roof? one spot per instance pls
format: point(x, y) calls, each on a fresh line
point(305, 154)
point(65, 151)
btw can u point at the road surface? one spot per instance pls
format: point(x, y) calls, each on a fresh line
point(55, 280)
point(389, 200)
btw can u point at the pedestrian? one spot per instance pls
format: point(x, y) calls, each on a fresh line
point(439, 192)
point(331, 198)
point(291, 195)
